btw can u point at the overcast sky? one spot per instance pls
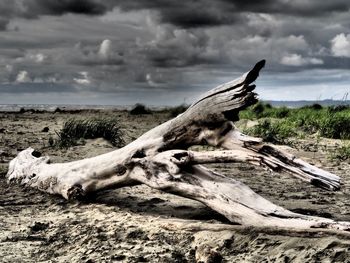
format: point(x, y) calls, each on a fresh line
point(166, 52)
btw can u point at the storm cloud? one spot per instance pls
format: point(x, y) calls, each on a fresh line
point(167, 52)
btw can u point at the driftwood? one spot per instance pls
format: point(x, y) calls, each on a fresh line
point(160, 159)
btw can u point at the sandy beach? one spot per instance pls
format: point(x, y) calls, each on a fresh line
point(139, 224)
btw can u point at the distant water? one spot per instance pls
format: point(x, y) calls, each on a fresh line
point(301, 103)
point(52, 108)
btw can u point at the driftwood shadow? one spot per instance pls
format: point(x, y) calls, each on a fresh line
point(157, 206)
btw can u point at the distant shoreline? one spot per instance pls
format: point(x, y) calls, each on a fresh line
point(301, 103)
point(79, 108)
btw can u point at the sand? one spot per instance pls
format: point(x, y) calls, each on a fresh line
point(139, 224)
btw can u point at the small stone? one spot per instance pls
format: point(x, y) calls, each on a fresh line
point(39, 226)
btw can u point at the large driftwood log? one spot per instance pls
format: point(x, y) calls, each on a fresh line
point(161, 159)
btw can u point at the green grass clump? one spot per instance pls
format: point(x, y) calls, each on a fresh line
point(275, 132)
point(76, 129)
point(329, 122)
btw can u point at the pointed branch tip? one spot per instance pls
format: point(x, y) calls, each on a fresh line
point(254, 73)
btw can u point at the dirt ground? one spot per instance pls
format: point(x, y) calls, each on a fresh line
point(139, 224)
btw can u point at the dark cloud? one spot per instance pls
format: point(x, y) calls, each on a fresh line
point(188, 14)
point(55, 7)
point(206, 13)
point(298, 8)
point(3, 24)
point(185, 14)
point(32, 9)
point(189, 18)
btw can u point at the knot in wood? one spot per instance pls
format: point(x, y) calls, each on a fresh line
point(120, 169)
point(76, 192)
point(36, 154)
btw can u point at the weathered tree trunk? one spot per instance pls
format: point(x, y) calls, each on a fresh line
point(160, 159)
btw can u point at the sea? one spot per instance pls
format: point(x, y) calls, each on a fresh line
point(63, 107)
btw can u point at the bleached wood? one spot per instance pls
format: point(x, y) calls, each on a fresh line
point(160, 159)
point(278, 160)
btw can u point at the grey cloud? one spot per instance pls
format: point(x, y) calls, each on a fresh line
point(176, 48)
point(171, 48)
point(3, 24)
point(35, 88)
point(103, 54)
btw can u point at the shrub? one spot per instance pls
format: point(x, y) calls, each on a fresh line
point(75, 129)
point(258, 109)
point(314, 106)
point(175, 111)
point(264, 110)
point(268, 106)
point(140, 109)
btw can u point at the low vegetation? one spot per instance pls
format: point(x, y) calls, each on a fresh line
point(75, 130)
point(270, 131)
point(140, 109)
point(342, 153)
point(3, 171)
point(177, 110)
point(276, 124)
